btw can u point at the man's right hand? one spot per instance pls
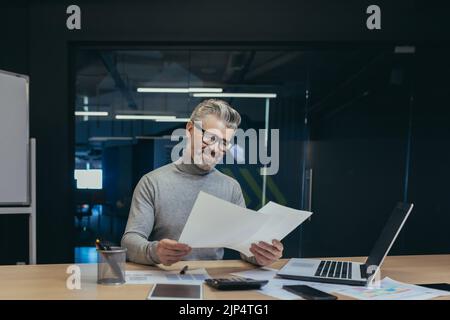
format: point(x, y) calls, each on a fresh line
point(170, 251)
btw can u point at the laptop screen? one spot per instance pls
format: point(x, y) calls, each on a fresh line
point(389, 234)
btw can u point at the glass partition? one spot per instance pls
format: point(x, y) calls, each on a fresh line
point(123, 104)
point(339, 121)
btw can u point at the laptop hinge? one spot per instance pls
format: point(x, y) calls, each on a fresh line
point(363, 269)
point(365, 273)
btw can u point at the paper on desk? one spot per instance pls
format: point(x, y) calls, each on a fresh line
point(263, 273)
point(275, 289)
point(161, 276)
point(216, 223)
point(393, 290)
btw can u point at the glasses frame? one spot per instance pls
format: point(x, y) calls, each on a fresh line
point(226, 145)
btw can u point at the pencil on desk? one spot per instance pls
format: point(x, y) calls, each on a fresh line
point(184, 269)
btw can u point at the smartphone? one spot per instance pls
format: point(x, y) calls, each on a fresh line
point(169, 291)
point(309, 293)
point(438, 286)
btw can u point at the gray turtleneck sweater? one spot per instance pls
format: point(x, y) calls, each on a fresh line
point(162, 202)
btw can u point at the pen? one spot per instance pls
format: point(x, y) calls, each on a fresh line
point(183, 271)
point(102, 246)
point(99, 245)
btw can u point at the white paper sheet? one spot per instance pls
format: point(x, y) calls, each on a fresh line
point(160, 276)
point(264, 273)
point(215, 223)
point(275, 289)
point(393, 290)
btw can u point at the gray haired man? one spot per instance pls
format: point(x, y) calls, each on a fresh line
point(164, 197)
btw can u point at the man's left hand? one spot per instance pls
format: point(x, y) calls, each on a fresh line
point(266, 253)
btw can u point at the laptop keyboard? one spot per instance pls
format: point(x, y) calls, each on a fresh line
point(334, 269)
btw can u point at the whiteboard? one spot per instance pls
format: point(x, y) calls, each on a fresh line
point(14, 140)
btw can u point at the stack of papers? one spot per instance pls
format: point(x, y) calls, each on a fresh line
point(216, 223)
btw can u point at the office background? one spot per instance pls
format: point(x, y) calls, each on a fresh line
point(377, 131)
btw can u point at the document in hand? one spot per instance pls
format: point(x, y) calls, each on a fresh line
point(216, 223)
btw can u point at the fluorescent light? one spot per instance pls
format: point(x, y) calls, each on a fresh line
point(163, 90)
point(236, 95)
point(91, 113)
point(174, 120)
point(102, 139)
point(178, 90)
point(205, 89)
point(405, 49)
point(141, 117)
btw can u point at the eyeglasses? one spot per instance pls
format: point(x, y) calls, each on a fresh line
point(210, 139)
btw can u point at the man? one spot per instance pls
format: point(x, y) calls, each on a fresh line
point(163, 198)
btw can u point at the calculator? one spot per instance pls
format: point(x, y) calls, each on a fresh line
point(235, 283)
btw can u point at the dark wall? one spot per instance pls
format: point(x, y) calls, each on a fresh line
point(291, 158)
point(35, 41)
point(357, 147)
point(429, 225)
point(358, 162)
point(375, 149)
point(14, 33)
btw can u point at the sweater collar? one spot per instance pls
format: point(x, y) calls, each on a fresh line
point(191, 168)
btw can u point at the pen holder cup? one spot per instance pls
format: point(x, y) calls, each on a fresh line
point(111, 266)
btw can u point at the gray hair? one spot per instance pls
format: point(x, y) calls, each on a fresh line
point(221, 109)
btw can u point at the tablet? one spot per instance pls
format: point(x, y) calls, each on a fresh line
point(175, 291)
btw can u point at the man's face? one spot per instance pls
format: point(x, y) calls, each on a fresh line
point(209, 145)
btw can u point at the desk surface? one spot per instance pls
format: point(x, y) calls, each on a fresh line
point(49, 281)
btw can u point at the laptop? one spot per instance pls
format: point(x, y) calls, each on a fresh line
point(346, 272)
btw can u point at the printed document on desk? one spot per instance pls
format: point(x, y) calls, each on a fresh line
point(162, 276)
point(216, 223)
point(390, 289)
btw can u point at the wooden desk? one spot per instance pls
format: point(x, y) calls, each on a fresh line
point(49, 281)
